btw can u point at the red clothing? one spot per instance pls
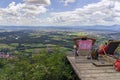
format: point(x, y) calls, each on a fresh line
point(101, 46)
point(102, 50)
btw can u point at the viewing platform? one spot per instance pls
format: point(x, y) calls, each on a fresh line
point(85, 70)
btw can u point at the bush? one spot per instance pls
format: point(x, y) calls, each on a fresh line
point(43, 66)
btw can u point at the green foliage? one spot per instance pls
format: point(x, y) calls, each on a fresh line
point(118, 49)
point(43, 66)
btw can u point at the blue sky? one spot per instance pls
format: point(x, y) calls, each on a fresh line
point(59, 12)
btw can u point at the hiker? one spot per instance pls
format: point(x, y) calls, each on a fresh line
point(75, 50)
point(102, 47)
point(76, 44)
point(79, 41)
point(100, 50)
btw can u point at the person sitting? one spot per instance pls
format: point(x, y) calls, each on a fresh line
point(76, 46)
point(101, 49)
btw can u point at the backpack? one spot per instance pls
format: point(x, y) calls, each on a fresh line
point(117, 65)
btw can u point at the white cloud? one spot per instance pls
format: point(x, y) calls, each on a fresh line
point(34, 10)
point(43, 2)
point(12, 9)
point(106, 12)
point(66, 2)
point(23, 13)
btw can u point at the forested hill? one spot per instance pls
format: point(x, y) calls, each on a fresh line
point(114, 28)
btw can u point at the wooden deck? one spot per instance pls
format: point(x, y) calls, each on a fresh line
point(87, 71)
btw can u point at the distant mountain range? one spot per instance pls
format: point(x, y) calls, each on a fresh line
point(114, 28)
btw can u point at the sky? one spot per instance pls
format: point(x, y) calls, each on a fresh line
point(59, 12)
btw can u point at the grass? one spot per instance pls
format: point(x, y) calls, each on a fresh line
point(5, 46)
point(78, 34)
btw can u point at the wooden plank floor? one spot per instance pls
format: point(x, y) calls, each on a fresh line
point(87, 71)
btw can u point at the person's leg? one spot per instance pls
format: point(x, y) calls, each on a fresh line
point(75, 53)
point(95, 54)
